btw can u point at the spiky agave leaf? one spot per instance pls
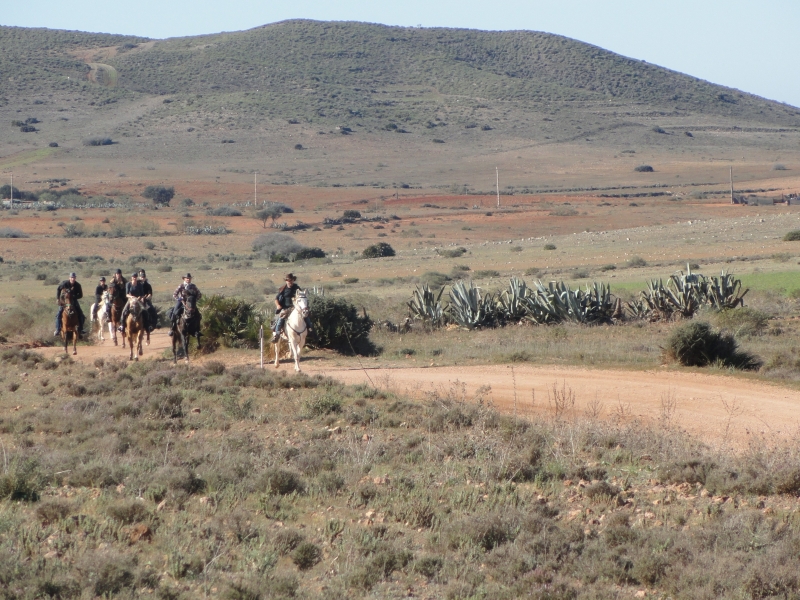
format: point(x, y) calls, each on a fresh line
point(425, 305)
point(468, 307)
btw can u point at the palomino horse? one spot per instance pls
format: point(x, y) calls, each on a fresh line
point(295, 330)
point(134, 328)
point(186, 326)
point(115, 315)
point(103, 315)
point(70, 322)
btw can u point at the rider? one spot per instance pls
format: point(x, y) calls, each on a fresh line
point(186, 289)
point(98, 296)
point(77, 293)
point(118, 284)
point(152, 315)
point(134, 291)
point(284, 300)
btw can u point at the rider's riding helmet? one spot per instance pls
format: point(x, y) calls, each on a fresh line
point(73, 276)
point(118, 272)
point(142, 274)
point(187, 276)
point(103, 279)
point(134, 275)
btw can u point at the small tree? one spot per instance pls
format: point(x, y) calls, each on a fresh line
point(351, 214)
point(269, 212)
point(159, 194)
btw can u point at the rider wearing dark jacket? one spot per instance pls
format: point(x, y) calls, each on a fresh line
point(147, 298)
point(98, 295)
point(133, 290)
point(77, 293)
point(117, 287)
point(182, 293)
point(284, 300)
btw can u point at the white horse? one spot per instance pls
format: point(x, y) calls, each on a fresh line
point(295, 330)
point(103, 315)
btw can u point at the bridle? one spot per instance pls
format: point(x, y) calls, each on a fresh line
point(304, 311)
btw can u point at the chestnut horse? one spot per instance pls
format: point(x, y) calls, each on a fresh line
point(134, 328)
point(70, 322)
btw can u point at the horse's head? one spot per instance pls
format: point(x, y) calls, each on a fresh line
point(106, 297)
point(136, 307)
point(301, 302)
point(189, 306)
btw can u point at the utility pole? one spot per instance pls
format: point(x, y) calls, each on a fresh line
point(497, 173)
point(732, 202)
point(12, 193)
point(255, 189)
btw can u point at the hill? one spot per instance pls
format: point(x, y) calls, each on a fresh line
point(305, 78)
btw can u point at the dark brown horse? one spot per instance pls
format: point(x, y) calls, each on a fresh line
point(118, 301)
point(70, 321)
point(186, 326)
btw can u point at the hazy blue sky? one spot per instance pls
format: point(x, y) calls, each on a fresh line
point(752, 45)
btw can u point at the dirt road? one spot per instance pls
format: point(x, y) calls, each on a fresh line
point(716, 407)
point(706, 405)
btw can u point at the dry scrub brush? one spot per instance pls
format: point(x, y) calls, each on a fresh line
point(235, 482)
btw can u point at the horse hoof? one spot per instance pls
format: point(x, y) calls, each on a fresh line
point(74, 353)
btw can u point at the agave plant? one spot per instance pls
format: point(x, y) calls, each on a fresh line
point(725, 292)
point(511, 304)
point(557, 302)
point(426, 306)
point(469, 308)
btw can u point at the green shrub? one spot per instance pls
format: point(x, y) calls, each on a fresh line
point(159, 194)
point(338, 326)
point(351, 214)
point(378, 250)
point(696, 344)
point(434, 279)
point(223, 211)
point(98, 141)
point(792, 236)
point(306, 253)
point(644, 169)
point(12, 232)
point(306, 555)
point(549, 246)
point(350, 280)
point(320, 405)
point(229, 322)
point(281, 482)
point(453, 252)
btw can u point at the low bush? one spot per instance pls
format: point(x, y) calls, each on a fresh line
point(159, 194)
point(792, 236)
point(453, 252)
point(340, 327)
point(224, 211)
point(273, 244)
point(696, 344)
point(636, 262)
point(379, 250)
point(98, 141)
point(549, 246)
point(12, 232)
point(229, 322)
point(742, 321)
point(307, 253)
point(644, 169)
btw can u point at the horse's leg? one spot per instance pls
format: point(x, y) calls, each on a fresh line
point(186, 339)
point(139, 342)
point(75, 342)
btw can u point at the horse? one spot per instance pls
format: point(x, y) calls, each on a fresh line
point(70, 322)
point(134, 328)
point(186, 326)
point(295, 330)
point(103, 313)
point(115, 315)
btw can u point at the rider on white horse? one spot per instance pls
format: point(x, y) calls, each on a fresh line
point(98, 296)
point(283, 304)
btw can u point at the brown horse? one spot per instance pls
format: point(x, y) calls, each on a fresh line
point(115, 317)
point(70, 322)
point(134, 328)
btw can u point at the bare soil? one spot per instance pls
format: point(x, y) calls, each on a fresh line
point(717, 408)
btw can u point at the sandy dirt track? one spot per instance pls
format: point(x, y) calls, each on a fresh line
point(715, 407)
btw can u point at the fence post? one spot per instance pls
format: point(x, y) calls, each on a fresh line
point(261, 343)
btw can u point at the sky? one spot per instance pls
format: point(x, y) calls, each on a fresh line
point(750, 45)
